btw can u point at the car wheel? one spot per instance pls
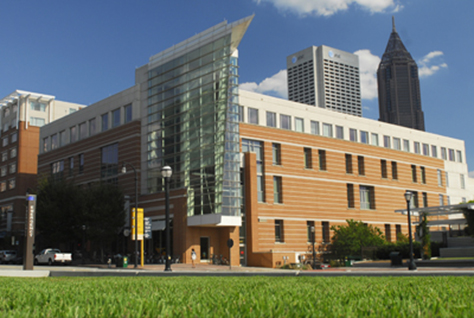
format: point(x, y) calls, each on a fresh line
point(50, 262)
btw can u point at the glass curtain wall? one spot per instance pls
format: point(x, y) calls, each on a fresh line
point(193, 127)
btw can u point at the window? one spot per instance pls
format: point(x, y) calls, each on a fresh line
point(276, 151)
point(308, 159)
point(397, 144)
point(285, 122)
point(62, 138)
point(92, 127)
point(353, 134)
point(257, 147)
point(447, 179)
point(425, 199)
point(417, 147)
point(315, 127)
point(463, 182)
point(367, 198)
point(14, 137)
point(443, 153)
point(322, 160)
point(339, 132)
point(277, 194)
point(383, 168)
point(72, 110)
point(459, 156)
point(54, 141)
point(127, 113)
point(71, 166)
point(72, 134)
point(299, 124)
point(11, 184)
point(388, 233)
point(386, 141)
point(81, 163)
point(375, 139)
point(325, 231)
point(82, 131)
point(4, 141)
point(3, 171)
point(349, 163)
point(451, 154)
point(398, 231)
point(434, 151)
point(12, 168)
point(426, 150)
point(394, 170)
point(327, 130)
point(309, 231)
point(13, 153)
point(35, 121)
point(414, 200)
point(406, 145)
point(423, 175)
point(441, 200)
point(413, 173)
point(361, 165)
point(364, 137)
point(38, 106)
point(279, 231)
point(4, 156)
point(116, 118)
point(350, 196)
point(271, 119)
point(241, 113)
point(57, 169)
point(109, 161)
point(105, 122)
point(440, 178)
point(252, 116)
point(3, 186)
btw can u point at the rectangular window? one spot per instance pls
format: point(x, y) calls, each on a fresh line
point(425, 199)
point(277, 190)
point(383, 168)
point(12, 168)
point(361, 165)
point(310, 231)
point(241, 114)
point(451, 154)
point(299, 124)
point(92, 127)
point(81, 163)
point(57, 169)
point(252, 116)
point(447, 179)
point(11, 184)
point(3, 186)
point(38, 106)
point(82, 131)
point(322, 160)
point(417, 147)
point(367, 198)
point(441, 200)
point(414, 200)
point(4, 141)
point(105, 122)
point(394, 170)
point(434, 151)
point(62, 138)
point(443, 153)
point(35, 121)
point(364, 137)
point(127, 113)
point(353, 134)
point(72, 134)
point(386, 141)
point(388, 233)
point(276, 150)
point(315, 127)
point(54, 141)
point(4, 156)
point(14, 137)
point(375, 139)
point(440, 178)
point(406, 145)
point(398, 231)
point(426, 150)
point(397, 144)
point(327, 130)
point(71, 166)
point(339, 132)
point(350, 196)
point(116, 118)
point(325, 231)
point(279, 231)
point(308, 158)
point(349, 163)
point(257, 147)
point(271, 119)
point(13, 152)
point(413, 173)
point(109, 161)
point(463, 182)
point(3, 171)
point(285, 122)
point(459, 156)
point(423, 175)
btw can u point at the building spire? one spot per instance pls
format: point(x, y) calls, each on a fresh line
point(393, 24)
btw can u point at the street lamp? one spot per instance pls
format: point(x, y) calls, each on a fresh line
point(166, 173)
point(411, 263)
point(124, 170)
point(313, 265)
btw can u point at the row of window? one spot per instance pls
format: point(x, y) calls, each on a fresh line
point(13, 153)
point(12, 138)
point(336, 131)
point(57, 168)
point(89, 128)
point(10, 169)
point(7, 185)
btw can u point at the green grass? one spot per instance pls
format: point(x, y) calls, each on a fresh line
point(238, 297)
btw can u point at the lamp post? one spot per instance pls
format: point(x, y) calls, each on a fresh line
point(166, 173)
point(313, 265)
point(411, 262)
point(124, 170)
point(83, 243)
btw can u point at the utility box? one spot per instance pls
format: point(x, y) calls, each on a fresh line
point(396, 259)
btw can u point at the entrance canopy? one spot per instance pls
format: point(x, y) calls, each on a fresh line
point(443, 210)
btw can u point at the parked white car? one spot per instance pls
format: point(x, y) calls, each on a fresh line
point(52, 256)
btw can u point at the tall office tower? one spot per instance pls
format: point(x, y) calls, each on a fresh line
point(399, 86)
point(325, 77)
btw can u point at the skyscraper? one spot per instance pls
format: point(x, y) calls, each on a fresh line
point(399, 86)
point(325, 77)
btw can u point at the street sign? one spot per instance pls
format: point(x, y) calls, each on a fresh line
point(147, 228)
point(140, 224)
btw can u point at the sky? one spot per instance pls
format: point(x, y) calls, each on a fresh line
point(84, 51)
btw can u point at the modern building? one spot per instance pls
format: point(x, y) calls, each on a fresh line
point(399, 86)
point(259, 170)
point(22, 115)
point(325, 77)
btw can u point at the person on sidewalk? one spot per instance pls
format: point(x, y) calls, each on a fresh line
point(193, 257)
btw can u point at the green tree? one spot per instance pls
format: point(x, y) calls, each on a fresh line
point(424, 234)
point(349, 239)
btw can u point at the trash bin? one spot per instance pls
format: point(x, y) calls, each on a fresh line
point(396, 259)
point(348, 262)
point(118, 261)
point(125, 262)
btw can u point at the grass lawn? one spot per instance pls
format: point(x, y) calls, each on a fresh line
point(237, 297)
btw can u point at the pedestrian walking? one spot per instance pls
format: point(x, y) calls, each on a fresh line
point(193, 257)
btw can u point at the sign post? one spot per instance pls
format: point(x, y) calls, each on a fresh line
point(28, 251)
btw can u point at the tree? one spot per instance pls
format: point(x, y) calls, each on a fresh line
point(349, 239)
point(424, 234)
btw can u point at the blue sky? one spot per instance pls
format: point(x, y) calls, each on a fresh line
point(84, 51)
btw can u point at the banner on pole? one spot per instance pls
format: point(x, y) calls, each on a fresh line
point(139, 218)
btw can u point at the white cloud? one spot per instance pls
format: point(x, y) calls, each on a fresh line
point(330, 7)
point(276, 84)
point(431, 63)
point(368, 64)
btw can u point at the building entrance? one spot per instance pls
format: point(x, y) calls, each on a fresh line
point(204, 248)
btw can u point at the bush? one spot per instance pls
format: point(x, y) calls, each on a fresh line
point(383, 252)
